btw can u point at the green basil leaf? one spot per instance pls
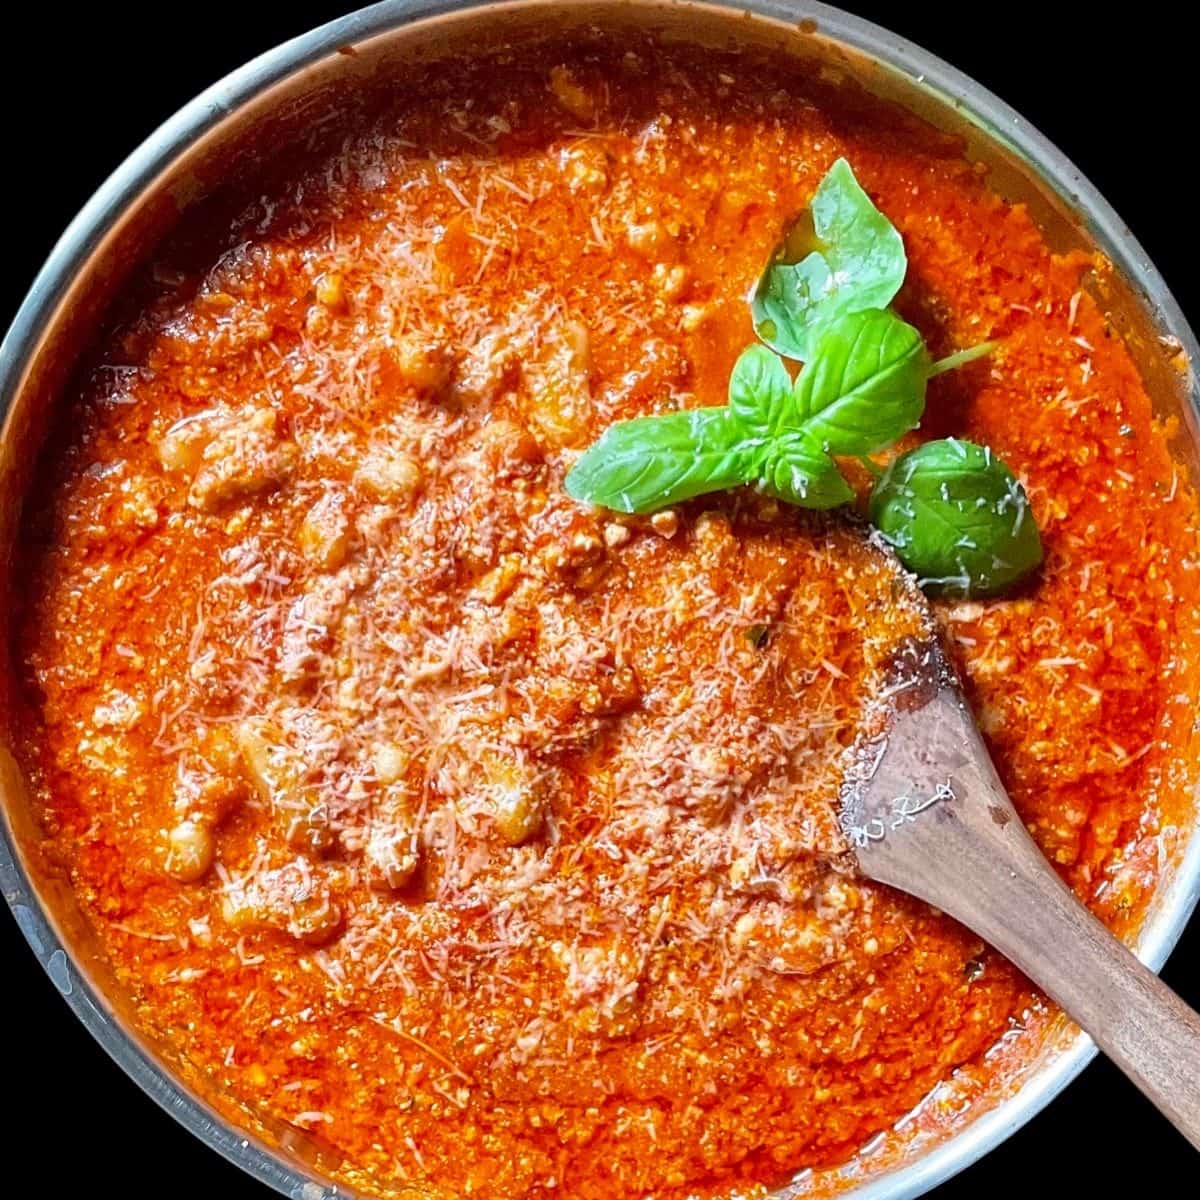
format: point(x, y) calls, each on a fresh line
point(958, 518)
point(857, 261)
point(760, 391)
point(650, 463)
point(864, 385)
point(782, 308)
point(797, 470)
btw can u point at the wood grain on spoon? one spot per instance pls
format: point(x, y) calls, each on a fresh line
point(925, 812)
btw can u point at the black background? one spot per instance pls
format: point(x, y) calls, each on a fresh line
point(82, 88)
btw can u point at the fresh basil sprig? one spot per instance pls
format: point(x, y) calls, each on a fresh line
point(864, 389)
point(855, 260)
point(954, 513)
point(958, 518)
point(653, 462)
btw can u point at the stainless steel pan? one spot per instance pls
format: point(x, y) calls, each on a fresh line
point(268, 102)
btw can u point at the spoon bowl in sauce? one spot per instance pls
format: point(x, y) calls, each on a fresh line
point(925, 811)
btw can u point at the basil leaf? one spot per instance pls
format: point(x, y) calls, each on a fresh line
point(958, 518)
point(864, 386)
point(857, 262)
point(797, 470)
point(649, 463)
point(760, 391)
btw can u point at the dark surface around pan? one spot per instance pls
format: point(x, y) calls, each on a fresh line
point(113, 76)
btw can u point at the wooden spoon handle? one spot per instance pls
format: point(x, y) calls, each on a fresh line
point(1034, 920)
point(932, 818)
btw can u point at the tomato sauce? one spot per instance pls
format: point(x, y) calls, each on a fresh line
point(489, 839)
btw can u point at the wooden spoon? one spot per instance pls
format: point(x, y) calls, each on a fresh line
point(925, 812)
